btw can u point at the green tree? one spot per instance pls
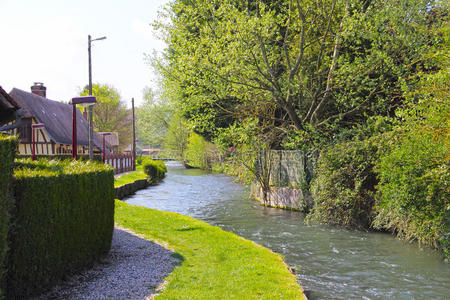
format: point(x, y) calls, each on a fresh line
point(176, 140)
point(415, 174)
point(319, 65)
point(110, 113)
point(153, 118)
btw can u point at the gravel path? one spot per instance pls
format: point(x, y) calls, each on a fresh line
point(133, 269)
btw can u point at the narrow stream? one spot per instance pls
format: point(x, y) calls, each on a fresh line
point(332, 263)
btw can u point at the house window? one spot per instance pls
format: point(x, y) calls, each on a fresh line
point(25, 131)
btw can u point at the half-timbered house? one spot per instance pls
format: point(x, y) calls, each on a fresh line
point(56, 136)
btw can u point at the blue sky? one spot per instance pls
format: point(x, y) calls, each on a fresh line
point(46, 41)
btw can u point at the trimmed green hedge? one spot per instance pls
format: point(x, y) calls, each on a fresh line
point(7, 150)
point(155, 169)
point(84, 157)
point(64, 221)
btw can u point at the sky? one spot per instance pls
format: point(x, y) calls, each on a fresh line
point(47, 40)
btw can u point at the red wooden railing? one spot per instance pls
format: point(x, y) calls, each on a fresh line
point(120, 162)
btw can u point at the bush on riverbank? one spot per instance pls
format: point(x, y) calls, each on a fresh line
point(395, 181)
point(214, 264)
point(415, 173)
point(7, 150)
point(63, 221)
point(344, 188)
point(155, 169)
point(200, 153)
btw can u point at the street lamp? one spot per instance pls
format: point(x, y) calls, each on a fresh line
point(103, 144)
point(33, 127)
point(91, 130)
point(83, 101)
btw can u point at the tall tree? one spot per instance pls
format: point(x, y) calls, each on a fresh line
point(153, 118)
point(176, 140)
point(316, 64)
point(110, 112)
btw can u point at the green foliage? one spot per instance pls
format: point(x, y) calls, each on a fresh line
point(319, 68)
point(215, 264)
point(153, 119)
point(176, 140)
point(200, 153)
point(344, 187)
point(63, 221)
point(155, 169)
point(414, 186)
point(313, 74)
point(7, 150)
point(110, 113)
point(415, 174)
point(241, 145)
point(195, 154)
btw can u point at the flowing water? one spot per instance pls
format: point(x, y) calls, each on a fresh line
point(332, 263)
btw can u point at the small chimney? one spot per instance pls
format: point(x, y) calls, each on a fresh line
point(39, 89)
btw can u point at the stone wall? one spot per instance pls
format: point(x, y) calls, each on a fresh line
point(130, 188)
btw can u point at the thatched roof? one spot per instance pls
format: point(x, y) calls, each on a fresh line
point(6, 102)
point(56, 116)
point(7, 107)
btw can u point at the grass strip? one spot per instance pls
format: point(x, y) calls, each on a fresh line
point(130, 177)
point(214, 264)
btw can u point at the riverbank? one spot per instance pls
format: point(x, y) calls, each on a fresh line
point(213, 263)
point(129, 177)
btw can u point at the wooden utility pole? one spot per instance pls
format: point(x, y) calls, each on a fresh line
point(134, 135)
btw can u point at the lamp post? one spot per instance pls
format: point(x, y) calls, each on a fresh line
point(103, 144)
point(134, 136)
point(91, 130)
point(33, 142)
point(83, 101)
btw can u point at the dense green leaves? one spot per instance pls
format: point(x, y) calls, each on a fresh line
point(155, 169)
point(153, 119)
point(110, 114)
point(335, 76)
point(7, 151)
point(63, 222)
point(344, 187)
point(176, 140)
point(415, 172)
point(201, 153)
point(305, 65)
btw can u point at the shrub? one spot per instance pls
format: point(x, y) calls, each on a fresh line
point(195, 155)
point(7, 151)
point(344, 185)
point(415, 176)
point(414, 186)
point(415, 172)
point(155, 169)
point(64, 220)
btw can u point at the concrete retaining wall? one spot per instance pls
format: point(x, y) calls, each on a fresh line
point(283, 197)
point(290, 175)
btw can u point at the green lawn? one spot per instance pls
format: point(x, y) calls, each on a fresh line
point(130, 177)
point(214, 264)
